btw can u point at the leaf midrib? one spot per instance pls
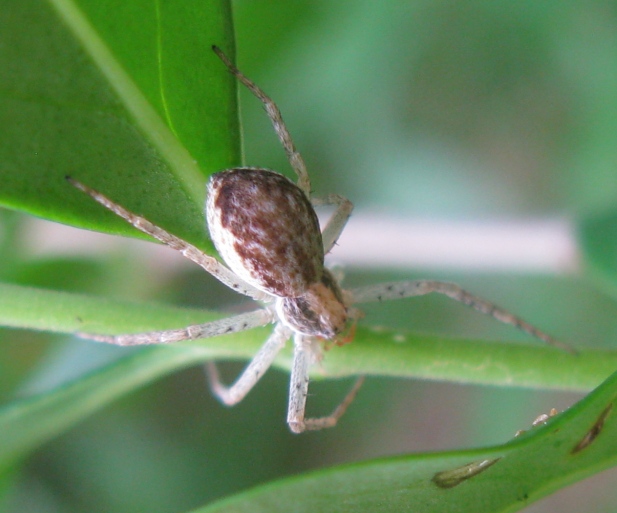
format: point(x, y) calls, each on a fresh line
point(149, 122)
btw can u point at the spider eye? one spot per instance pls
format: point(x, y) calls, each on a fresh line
point(320, 312)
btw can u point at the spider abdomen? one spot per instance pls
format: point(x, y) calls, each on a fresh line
point(266, 230)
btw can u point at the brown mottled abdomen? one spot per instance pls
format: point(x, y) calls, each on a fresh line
point(266, 230)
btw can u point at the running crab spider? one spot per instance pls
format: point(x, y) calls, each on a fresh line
point(265, 228)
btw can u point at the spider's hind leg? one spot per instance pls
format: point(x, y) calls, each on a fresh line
point(294, 157)
point(207, 262)
point(337, 222)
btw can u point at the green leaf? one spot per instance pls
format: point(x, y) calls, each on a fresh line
point(376, 351)
point(28, 423)
point(25, 424)
point(574, 445)
point(144, 119)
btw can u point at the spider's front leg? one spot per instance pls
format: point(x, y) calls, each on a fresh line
point(298, 390)
point(260, 363)
point(403, 289)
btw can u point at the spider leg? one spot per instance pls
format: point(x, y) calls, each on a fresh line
point(260, 363)
point(335, 225)
point(403, 289)
point(233, 324)
point(207, 262)
point(295, 159)
point(298, 390)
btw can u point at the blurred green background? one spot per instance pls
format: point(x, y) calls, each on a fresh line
point(416, 109)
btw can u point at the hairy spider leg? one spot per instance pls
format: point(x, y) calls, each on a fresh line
point(294, 157)
point(225, 326)
point(304, 356)
point(253, 372)
point(304, 351)
point(207, 262)
point(344, 207)
point(403, 289)
point(330, 234)
point(335, 225)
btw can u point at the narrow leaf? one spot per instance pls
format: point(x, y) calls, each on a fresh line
point(570, 447)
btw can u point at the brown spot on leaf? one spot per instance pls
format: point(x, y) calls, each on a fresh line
point(454, 477)
point(595, 430)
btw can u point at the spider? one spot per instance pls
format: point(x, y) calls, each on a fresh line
point(265, 228)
